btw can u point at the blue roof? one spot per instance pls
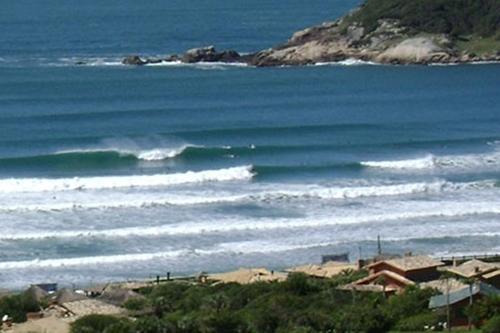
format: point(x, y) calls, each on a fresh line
point(462, 294)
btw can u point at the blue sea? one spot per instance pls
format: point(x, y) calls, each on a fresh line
point(109, 172)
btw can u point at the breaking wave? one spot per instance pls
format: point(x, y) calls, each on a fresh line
point(301, 193)
point(347, 62)
point(453, 210)
point(137, 257)
point(470, 161)
point(15, 185)
point(427, 162)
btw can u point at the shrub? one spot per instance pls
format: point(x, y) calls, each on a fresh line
point(150, 325)
point(16, 306)
point(417, 322)
point(136, 304)
point(94, 324)
point(484, 309)
point(123, 326)
point(299, 284)
point(223, 322)
point(414, 300)
point(492, 325)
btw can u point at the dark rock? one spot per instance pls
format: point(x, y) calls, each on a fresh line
point(209, 54)
point(80, 63)
point(172, 58)
point(133, 60)
point(200, 54)
point(228, 56)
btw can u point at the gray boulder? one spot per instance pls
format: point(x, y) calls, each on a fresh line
point(133, 60)
point(209, 54)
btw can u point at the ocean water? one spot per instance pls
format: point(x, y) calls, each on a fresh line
point(112, 172)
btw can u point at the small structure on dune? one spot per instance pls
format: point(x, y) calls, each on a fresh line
point(325, 270)
point(37, 293)
point(91, 306)
point(458, 301)
point(248, 275)
point(342, 257)
point(95, 290)
point(117, 296)
point(67, 295)
point(49, 288)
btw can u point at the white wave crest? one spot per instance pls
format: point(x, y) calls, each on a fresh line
point(429, 162)
point(246, 248)
point(346, 62)
point(154, 154)
point(119, 200)
point(62, 262)
point(14, 185)
point(199, 65)
point(159, 154)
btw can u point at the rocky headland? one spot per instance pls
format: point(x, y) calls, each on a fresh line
point(379, 31)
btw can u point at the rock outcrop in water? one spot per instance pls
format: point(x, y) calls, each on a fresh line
point(380, 31)
point(202, 54)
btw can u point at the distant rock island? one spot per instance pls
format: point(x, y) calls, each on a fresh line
point(380, 31)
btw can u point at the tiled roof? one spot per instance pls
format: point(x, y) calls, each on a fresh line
point(367, 287)
point(473, 268)
point(443, 285)
point(327, 270)
point(248, 275)
point(492, 274)
point(374, 277)
point(410, 263)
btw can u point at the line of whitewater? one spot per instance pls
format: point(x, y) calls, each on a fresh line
point(249, 248)
point(155, 154)
point(137, 257)
point(16, 185)
point(431, 162)
point(306, 193)
point(265, 224)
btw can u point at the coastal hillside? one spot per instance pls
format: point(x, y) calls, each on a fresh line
point(455, 17)
point(398, 31)
point(381, 31)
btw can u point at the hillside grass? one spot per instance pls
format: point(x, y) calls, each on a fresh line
point(479, 45)
point(455, 17)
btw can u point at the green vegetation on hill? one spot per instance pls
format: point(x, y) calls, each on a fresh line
point(16, 306)
point(455, 17)
point(301, 304)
